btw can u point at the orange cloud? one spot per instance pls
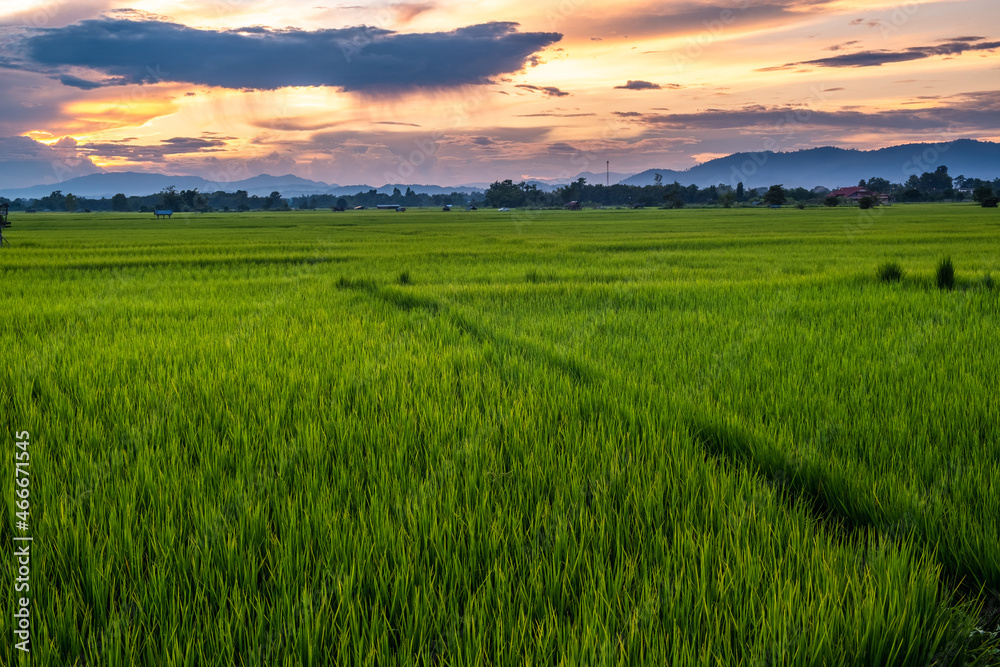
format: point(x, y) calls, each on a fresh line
point(120, 112)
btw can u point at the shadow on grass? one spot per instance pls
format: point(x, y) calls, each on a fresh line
point(526, 349)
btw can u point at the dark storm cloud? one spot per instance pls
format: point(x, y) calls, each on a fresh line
point(640, 85)
point(840, 47)
point(663, 19)
point(287, 124)
point(549, 91)
point(76, 82)
point(360, 58)
point(404, 141)
point(554, 115)
point(952, 47)
point(126, 150)
point(973, 111)
point(191, 144)
point(777, 117)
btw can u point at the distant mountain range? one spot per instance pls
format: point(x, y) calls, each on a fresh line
point(830, 167)
point(95, 186)
point(836, 167)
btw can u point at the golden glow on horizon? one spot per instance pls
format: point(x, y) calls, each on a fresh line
point(727, 70)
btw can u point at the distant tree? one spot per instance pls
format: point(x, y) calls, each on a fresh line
point(242, 200)
point(831, 201)
point(674, 196)
point(274, 202)
point(534, 198)
point(990, 202)
point(881, 185)
point(52, 202)
point(396, 194)
point(982, 193)
point(575, 191)
point(727, 199)
point(740, 192)
point(119, 203)
point(505, 193)
point(342, 203)
point(775, 196)
point(937, 182)
point(187, 196)
point(867, 202)
point(658, 179)
point(201, 203)
point(169, 199)
point(194, 200)
point(799, 194)
point(70, 203)
point(862, 184)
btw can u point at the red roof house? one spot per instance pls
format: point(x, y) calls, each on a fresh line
point(852, 193)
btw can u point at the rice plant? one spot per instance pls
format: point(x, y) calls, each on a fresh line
point(890, 272)
point(945, 274)
point(704, 445)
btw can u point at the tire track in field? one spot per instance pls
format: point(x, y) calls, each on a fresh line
point(795, 476)
point(577, 370)
point(178, 262)
point(798, 474)
point(843, 514)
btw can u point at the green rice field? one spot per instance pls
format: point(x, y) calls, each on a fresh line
point(695, 437)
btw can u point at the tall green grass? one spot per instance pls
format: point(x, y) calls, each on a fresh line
point(890, 272)
point(946, 274)
point(684, 437)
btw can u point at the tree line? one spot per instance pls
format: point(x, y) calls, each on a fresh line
point(928, 187)
point(203, 202)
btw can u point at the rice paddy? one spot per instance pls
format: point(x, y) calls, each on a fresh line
point(695, 437)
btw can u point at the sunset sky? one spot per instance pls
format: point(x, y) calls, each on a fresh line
point(453, 92)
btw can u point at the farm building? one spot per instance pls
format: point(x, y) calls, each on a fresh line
point(853, 194)
point(856, 193)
